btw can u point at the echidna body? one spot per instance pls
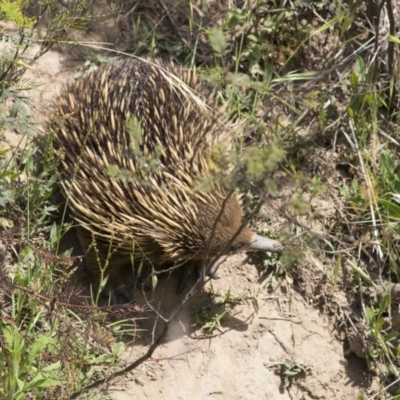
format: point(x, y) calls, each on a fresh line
point(155, 216)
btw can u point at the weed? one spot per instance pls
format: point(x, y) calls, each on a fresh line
point(290, 372)
point(209, 314)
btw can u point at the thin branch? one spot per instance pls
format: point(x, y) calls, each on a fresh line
point(195, 289)
point(128, 368)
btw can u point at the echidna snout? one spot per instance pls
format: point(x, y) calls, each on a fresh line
point(219, 230)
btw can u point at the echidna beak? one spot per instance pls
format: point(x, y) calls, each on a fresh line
point(265, 244)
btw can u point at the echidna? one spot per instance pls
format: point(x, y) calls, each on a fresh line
point(155, 216)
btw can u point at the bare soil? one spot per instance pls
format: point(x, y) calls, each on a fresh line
point(242, 358)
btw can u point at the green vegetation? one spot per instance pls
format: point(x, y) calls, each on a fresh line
point(317, 86)
point(290, 372)
point(210, 313)
point(50, 342)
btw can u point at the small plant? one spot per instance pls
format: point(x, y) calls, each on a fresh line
point(210, 314)
point(290, 372)
point(275, 267)
point(383, 340)
point(209, 318)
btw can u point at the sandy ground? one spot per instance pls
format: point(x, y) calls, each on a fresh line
point(240, 360)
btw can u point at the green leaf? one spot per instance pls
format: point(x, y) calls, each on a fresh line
point(354, 80)
point(20, 383)
point(40, 380)
point(393, 39)
point(38, 347)
point(35, 382)
point(384, 303)
point(217, 40)
point(360, 69)
point(386, 162)
point(369, 314)
point(362, 274)
point(391, 336)
point(21, 396)
point(253, 38)
point(239, 80)
point(392, 208)
point(52, 367)
point(12, 12)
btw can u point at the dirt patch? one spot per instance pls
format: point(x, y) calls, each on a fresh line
point(49, 72)
point(242, 359)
